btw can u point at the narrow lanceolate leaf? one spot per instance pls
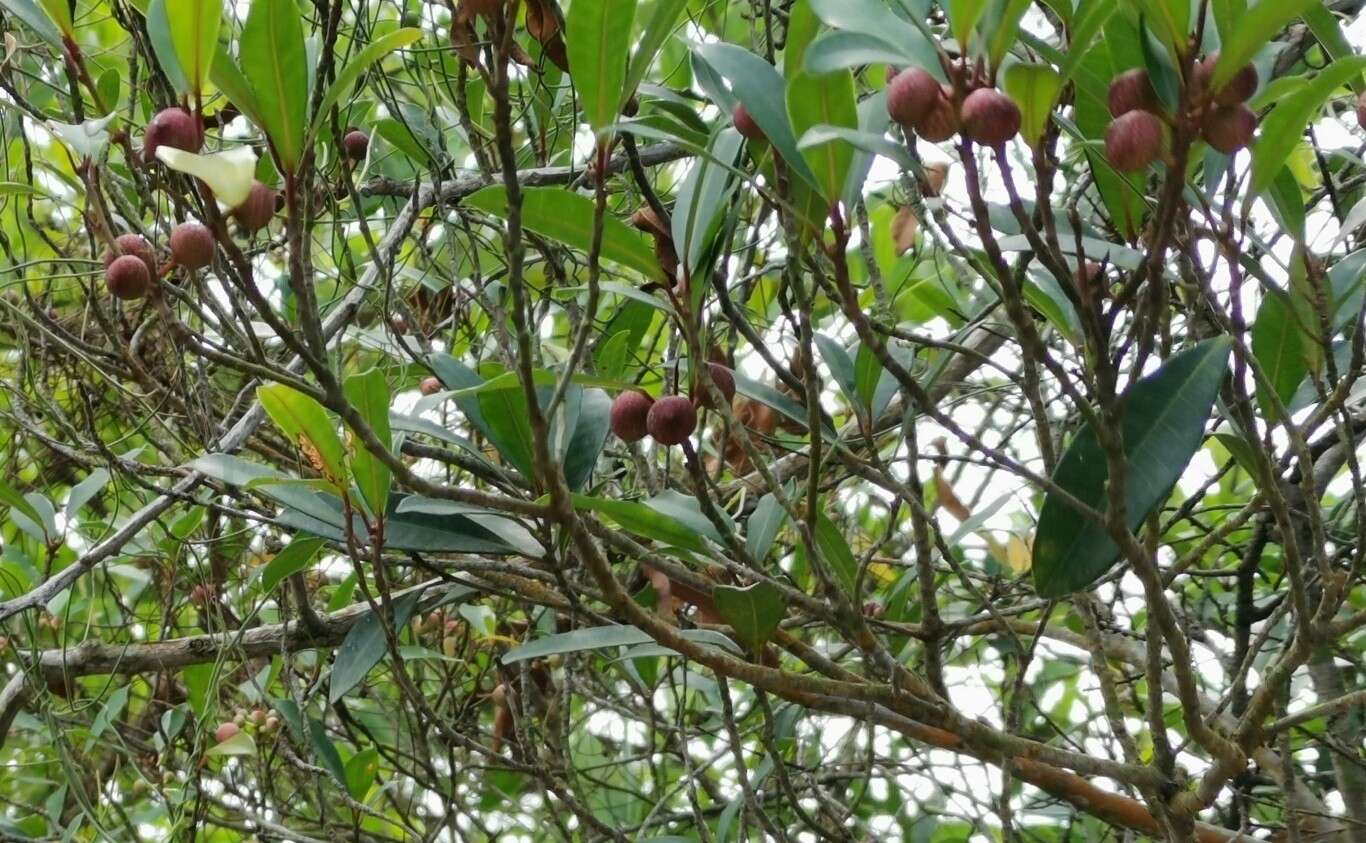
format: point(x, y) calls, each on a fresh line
point(1254, 29)
point(295, 557)
point(825, 100)
point(355, 66)
point(1163, 425)
point(753, 612)
point(364, 646)
point(1282, 129)
point(35, 18)
point(657, 30)
point(368, 392)
point(307, 425)
point(194, 33)
point(274, 60)
point(568, 217)
point(602, 637)
point(597, 40)
point(1281, 347)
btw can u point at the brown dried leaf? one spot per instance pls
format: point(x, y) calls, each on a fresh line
point(905, 226)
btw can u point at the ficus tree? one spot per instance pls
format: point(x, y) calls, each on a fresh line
point(682, 420)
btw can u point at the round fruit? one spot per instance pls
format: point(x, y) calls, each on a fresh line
point(911, 95)
point(192, 245)
point(724, 379)
point(628, 417)
point(745, 125)
point(226, 730)
point(1239, 88)
point(1133, 141)
point(127, 277)
point(941, 122)
point(1132, 90)
point(1229, 128)
point(174, 127)
point(671, 420)
point(430, 386)
point(135, 245)
point(355, 143)
point(257, 209)
point(990, 117)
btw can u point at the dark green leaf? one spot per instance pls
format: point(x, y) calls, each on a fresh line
point(35, 18)
point(361, 771)
point(294, 557)
point(364, 646)
point(275, 62)
point(326, 751)
point(762, 528)
point(597, 39)
point(1163, 424)
point(164, 45)
point(194, 33)
point(645, 521)
point(753, 612)
point(657, 30)
point(1254, 29)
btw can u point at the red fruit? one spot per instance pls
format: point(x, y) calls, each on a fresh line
point(430, 386)
point(671, 420)
point(990, 117)
point(629, 413)
point(257, 209)
point(725, 383)
point(173, 127)
point(1229, 128)
point(226, 731)
point(127, 277)
point(135, 245)
point(941, 123)
point(911, 96)
point(745, 125)
point(1239, 88)
point(1133, 141)
point(192, 245)
point(1132, 90)
point(355, 143)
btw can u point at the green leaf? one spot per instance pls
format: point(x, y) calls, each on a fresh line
point(839, 362)
point(361, 771)
point(293, 558)
point(85, 491)
point(834, 550)
point(110, 711)
point(645, 521)
point(355, 67)
point(164, 45)
point(59, 12)
point(590, 434)
point(239, 744)
point(35, 19)
point(802, 27)
point(194, 28)
point(368, 392)
point(826, 100)
point(753, 612)
point(1035, 89)
point(1002, 25)
point(364, 646)
point(1254, 30)
point(325, 750)
point(963, 18)
point(1087, 25)
point(227, 77)
point(508, 421)
point(1279, 344)
point(760, 88)
point(304, 421)
point(568, 217)
point(275, 62)
point(1163, 425)
point(1324, 25)
point(762, 528)
point(597, 37)
point(874, 18)
point(9, 496)
point(602, 637)
point(1282, 129)
point(657, 31)
point(841, 49)
point(199, 685)
point(702, 198)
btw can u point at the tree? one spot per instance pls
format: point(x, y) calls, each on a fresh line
point(665, 420)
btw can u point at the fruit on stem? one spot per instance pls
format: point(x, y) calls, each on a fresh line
point(671, 420)
point(1133, 141)
point(192, 245)
point(1132, 90)
point(911, 95)
point(256, 210)
point(127, 277)
point(1229, 128)
point(989, 117)
point(745, 125)
point(629, 413)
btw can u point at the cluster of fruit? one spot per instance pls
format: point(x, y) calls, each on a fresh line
point(1134, 139)
point(130, 266)
point(671, 419)
point(919, 103)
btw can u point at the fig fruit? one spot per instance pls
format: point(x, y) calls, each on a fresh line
point(745, 125)
point(911, 95)
point(174, 127)
point(941, 122)
point(1133, 141)
point(135, 245)
point(1239, 88)
point(430, 386)
point(671, 420)
point(354, 144)
point(192, 245)
point(226, 730)
point(1229, 128)
point(256, 210)
point(1132, 90)
point(990, 118)
point(629, 413)
point(127, 277)
point(723, 378)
